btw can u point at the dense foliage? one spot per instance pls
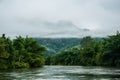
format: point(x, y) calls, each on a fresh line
point(55, 45)
point(104, 52)
point(20, 53)
point(27, 53)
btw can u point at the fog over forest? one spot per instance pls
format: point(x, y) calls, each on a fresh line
point(59, 18)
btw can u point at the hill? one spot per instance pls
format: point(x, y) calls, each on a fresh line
point(55, 45)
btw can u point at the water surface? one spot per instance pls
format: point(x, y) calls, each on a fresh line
point(62, 73)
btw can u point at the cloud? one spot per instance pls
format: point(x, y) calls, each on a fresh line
point(59, 18)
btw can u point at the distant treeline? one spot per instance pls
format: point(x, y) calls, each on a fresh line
point(104, 52)
point(55, 45)
point(20, 53)
point(28, 53)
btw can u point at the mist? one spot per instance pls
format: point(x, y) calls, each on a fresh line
point(59, 18)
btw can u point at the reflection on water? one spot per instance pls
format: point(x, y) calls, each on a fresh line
point(62, 73)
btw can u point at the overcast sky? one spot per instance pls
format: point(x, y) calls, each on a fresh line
point(59, 18)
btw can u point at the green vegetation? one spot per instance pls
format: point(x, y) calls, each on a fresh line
point(20, 53)
point(92, 52)
point(55, 45)
point(27, 53)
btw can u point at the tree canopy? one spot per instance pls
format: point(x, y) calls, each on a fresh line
point(105, 52)
point(20, 53)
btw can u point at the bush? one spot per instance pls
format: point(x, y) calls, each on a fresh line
point(21, 65)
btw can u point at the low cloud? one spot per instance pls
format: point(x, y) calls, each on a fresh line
point(59, 18)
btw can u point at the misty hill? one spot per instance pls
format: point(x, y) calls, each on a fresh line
point(55, 45)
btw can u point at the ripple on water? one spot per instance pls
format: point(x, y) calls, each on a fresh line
point(63, 73)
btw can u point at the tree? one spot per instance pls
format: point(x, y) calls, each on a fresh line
point(28, 52)
point(4, 52)
point(86, 41)
point(111, 50)
point(20, 53)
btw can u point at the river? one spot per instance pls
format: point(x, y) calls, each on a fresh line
point(62, 73)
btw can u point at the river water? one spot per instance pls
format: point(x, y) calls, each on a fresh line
point(62, 73)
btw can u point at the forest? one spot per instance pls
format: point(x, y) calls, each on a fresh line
point(20, 53)
point(90, 52)
point(55, 45)
point(30, 53)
